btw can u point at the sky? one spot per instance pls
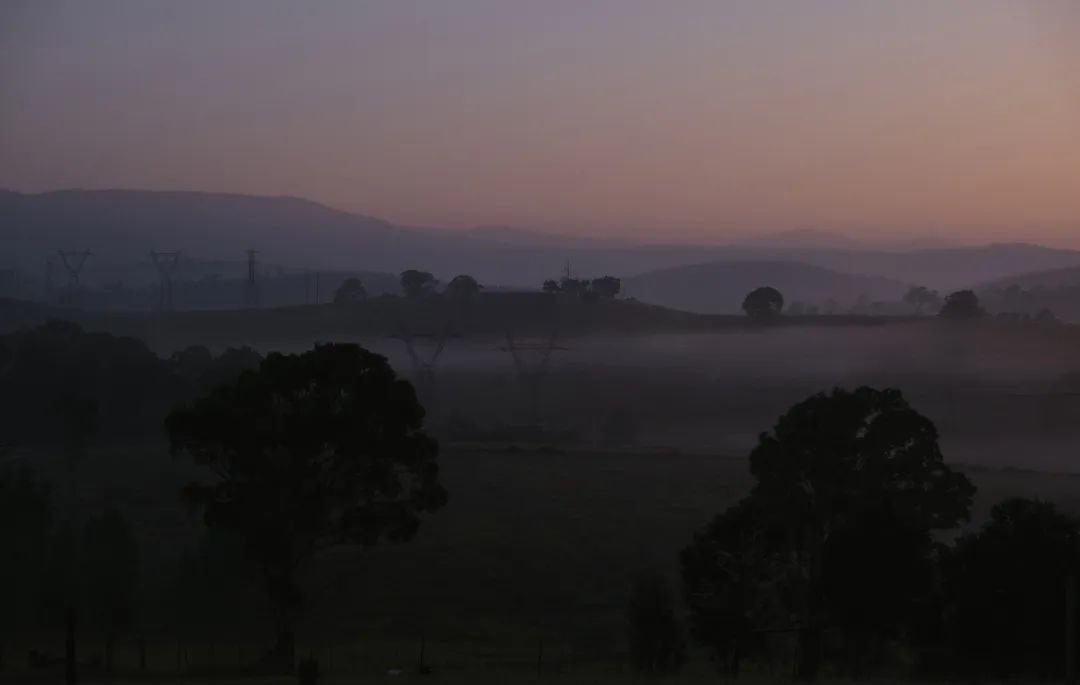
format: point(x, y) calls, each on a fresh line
point(682, 119)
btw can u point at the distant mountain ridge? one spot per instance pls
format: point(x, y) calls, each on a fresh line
point(817, 239)
point(122, 226)
point(1068, 277)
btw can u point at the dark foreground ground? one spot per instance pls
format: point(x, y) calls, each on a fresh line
point(532, 560)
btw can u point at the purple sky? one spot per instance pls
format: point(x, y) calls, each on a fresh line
point(681, 119)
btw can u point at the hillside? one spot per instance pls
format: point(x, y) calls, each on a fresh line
point(719, 287)
point(1068, 277)
point(122, 226)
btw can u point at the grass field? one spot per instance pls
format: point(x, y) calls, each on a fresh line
point(534, 547)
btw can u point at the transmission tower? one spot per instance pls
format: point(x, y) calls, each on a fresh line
point(532, 360)
point(165, 262)
point(424, 362)
point(251, 289)
point(73, 262)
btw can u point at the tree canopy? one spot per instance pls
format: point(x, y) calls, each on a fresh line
point(962, 305)
point(310, 451)
point(763, 303)
point(416, 283)
point(835, 471)
point(350, 291)
point(1004, 588)
point(606, 286)
point(922, 299)
point(462, 287)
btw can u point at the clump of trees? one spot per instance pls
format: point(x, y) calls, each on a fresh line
point(62, 571)
point(836, 547)
point(922, 300)
point(416, 283)
point(58, 374)
point(462, 288)
point(762, 304)
point(349, 292)
point(1006, 589)
point(605, 287)
point(962, 305)
point(311, 451)
point(850, 486)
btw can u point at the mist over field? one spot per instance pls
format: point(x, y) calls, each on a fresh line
point(554, 342)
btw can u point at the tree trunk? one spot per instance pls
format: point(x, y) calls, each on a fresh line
point(71, 667)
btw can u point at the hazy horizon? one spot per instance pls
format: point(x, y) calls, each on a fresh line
point(687, 122)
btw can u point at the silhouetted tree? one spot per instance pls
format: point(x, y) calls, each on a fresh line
point(191, 362)
point(831, 459)
point(831, 464)
point(962, 305)
point(417, 283)
point(53, 374)
point(606, 286)
point(551, 286)
point(877, 575)
point(227, 367)
point(733, 578)
point(351, 291)
point(202, 371)
point(657, 646)
point(922, 299)
point(573, 286)
point(763, 303)
point(1005, 589)
point(311, 451)
point(462, 288)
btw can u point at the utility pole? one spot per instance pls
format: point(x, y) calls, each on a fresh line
point(251, 290)
point(165, 262)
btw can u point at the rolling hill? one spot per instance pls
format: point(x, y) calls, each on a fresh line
point(122, 226)
point(719, 287)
